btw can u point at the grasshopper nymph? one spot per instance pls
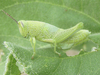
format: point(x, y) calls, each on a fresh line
point(36, 30)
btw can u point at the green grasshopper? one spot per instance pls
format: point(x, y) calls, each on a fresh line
point(36, 30)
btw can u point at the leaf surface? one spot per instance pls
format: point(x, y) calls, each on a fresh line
point(61, 13)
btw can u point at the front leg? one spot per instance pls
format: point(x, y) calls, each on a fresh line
point(54, 42)
point(33, 42)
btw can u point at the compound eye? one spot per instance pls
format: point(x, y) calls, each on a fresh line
point(22, 24)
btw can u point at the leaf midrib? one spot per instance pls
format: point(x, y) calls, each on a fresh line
point(87, 15)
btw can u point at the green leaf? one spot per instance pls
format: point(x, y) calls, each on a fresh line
point(49, 64)
point(61, 13)
point(11, 67)
point(2, 67)
point(95, 38)
point(5, 52)
point(51, 12)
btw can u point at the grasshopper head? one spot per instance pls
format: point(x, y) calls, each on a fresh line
point(23, 28)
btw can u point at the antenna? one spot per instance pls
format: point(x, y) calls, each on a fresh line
point(10, 16)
